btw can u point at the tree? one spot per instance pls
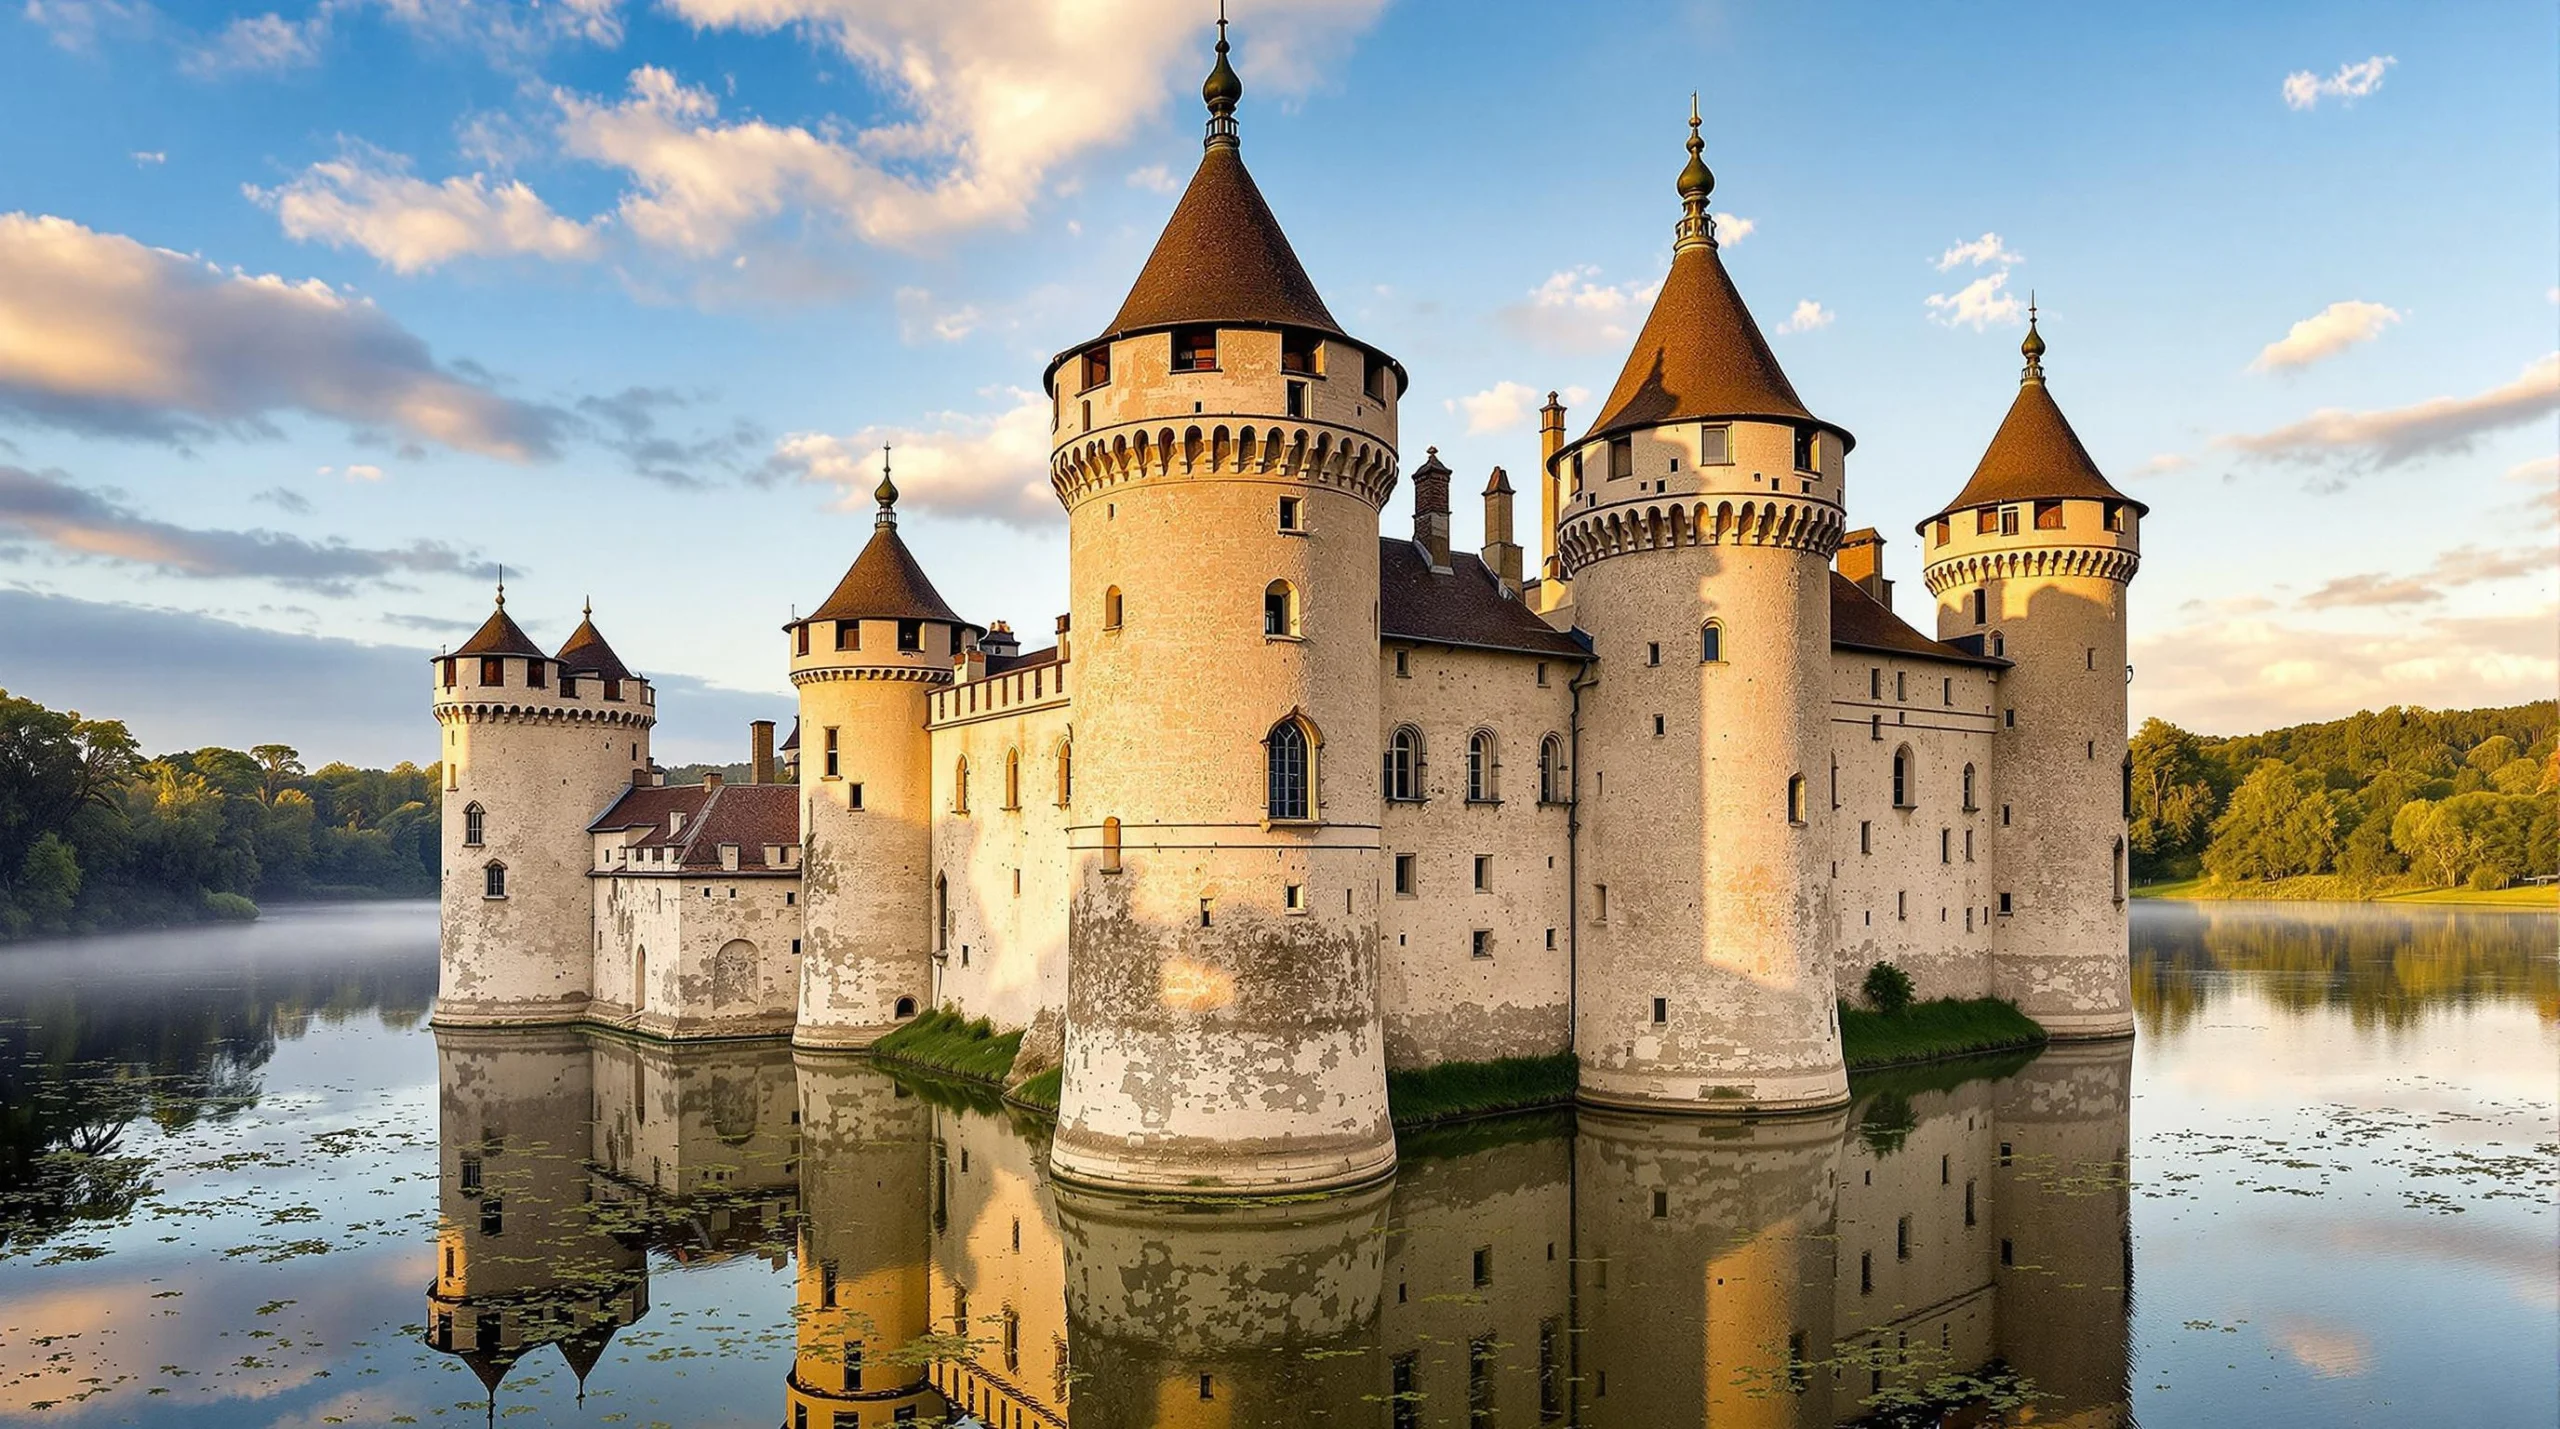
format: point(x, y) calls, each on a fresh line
point(2281, 822)
point(48, 884)
point(278, 766)
point(2173, 799)
point(53, 764)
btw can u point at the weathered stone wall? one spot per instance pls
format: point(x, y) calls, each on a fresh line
point(998, 1266)
point(1002, 867)
point(866, 1169)
point(721, 953)
point(2063, 1201)
point(1440, 1002)
point(1479, 1282)
point(1913, 1300)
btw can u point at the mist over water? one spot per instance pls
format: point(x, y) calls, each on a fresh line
point(243, 1183)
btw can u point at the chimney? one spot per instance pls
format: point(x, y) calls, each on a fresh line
point(969, 663)
point(999, 641)
point(711, 779)
point(1501, 553)
point(1550, 484)
point(760, 751)
point(1062, 639)
point(1431, 510)
point(1861, 559)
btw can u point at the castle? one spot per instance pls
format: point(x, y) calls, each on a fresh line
point(1661, 803)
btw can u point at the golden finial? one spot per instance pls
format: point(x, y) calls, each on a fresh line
point(1221, 91)
point(886, 493)
point(502, 587)
point(1697, 181)
point(2033, 347)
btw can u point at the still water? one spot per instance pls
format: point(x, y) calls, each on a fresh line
point(243, 1183)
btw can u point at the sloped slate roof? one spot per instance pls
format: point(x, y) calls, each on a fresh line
point(748, 815)
point(1860, 622)
point(1465, 607)
point(1223, 258)
point(885, 583)
point(500, 635)
point(586, 653)
point(1699, 356)
point(2035, 456)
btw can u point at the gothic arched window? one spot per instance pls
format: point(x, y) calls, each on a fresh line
point(1480, 767)
point(1066, 772)
point(1289, 771)
point(475, 826)
point(1711, 643)
point(960, 786)
point(1551, 773)
point(1013, 778)
point(493, 880)
point(1404, 765)
point(1905, 792)
point(1969, 804)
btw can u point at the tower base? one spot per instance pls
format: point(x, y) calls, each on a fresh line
point(1193, 1168)
point(1695, 1095)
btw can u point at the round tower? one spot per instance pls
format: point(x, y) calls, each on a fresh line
point(1699, 518)
point(1222, 451)
point(535, 747)
point(866, 663)
point(2030, 563)
point(865, 1232)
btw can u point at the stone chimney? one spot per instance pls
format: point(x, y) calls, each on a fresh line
point(711, 779)
point(760, 751)
point(1431, 510)
point(999, 641)
point(1861, 559)
point(1501, 553)
point(1550, 484)
point(1062, 639)
point(969, 663)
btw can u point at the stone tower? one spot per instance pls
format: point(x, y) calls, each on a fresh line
point(1222, 450)
point(866, 662)
point(2030, 563)
point(865, 1232)
point(1699, 518)
point(535, 746)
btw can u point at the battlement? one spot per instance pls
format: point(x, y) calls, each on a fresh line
point(487, 687)
point(2066, 536)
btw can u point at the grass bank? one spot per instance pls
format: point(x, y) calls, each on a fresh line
point(2337, 888)
point(1927, 1031)
point(944, 1041)
point(1462, 1089)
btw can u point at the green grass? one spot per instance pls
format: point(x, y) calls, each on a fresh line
point(2336, 888)
point(1460, 1089)
point(2546, 897)
point(1039, 1090)
point(1947, 1027)
point(944, 1041)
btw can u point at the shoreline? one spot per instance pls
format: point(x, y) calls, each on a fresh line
point(2330, 888)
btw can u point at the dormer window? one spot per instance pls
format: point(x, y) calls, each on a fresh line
point(1195, 349)
point(493, 670)
point(2048, 515)
point(1302, 352)
point(1096, 365)
point(910, 636)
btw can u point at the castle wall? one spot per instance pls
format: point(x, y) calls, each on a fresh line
point(1001, 951)
point(1914, 1298)
point(1913, 886)
point(864, 1237)
point(1479, 1283)
point(998, 1263)
point(721, 954)
point(1440, 1002)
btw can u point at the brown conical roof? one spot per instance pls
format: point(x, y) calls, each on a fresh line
point(1223, 258)
point(885, 583)
point(586, 653)
point(1700, 355)
point(499, 635)
point(2035, 456)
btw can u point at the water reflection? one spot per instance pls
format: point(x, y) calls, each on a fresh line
point(1948, 1242)
point(2386, 965)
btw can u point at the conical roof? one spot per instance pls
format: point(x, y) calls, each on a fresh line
point(586, 653)
point(499, 635)
point(885, 583)
point(1222, 258)
point(1699, 356)
point(2035, 456)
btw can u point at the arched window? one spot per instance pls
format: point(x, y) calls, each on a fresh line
point(1111, 608)
point(1404, 765)
point(1066, 772)
point(1013, 778)
point(1111, 845)
point(1795, 800)
point(1279, 609)
point(1999, 647)
point(475, 826)
point(1480, 767)
point(1551, 775)
point(941, 913)
point(1711, 643)
point(1969, 805)
point(1289, 771)
point(493, 880)
point(960, 786)
point(1905, 795)
point(906, 1008)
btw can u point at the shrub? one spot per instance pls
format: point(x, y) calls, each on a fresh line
point(1887, 988)
point(230, 907)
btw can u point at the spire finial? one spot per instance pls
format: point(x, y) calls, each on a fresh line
point(2033, 347)
point(589, 609)
point(1697, 181)
point(502, 587)
point(1221, 91)
point(886, 493)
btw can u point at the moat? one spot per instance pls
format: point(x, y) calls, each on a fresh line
point(242, 1182)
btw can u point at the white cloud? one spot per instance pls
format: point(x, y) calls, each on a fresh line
point(99, 333)
point(2399, 434)
point(1154, 178)
point(370, 201)
point(2230, 671)
point(2305, 90)
point(1807, 316)
point(1569, 310)
point(76, 24)
point(993, 464)
point(1732, 228)
point(2326, 333)
point(1978, 304)
point(148, 157)
point(2464, 565)
point(1976, 253)
point(2164, 464)
point(921, 319)
point(261, 43)
point(1507, 404)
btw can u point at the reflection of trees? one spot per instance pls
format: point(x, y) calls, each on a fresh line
point(2385, 966)
point(79, 1065)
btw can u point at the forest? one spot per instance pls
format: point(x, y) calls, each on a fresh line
point(2403, 798)
point(94, 835)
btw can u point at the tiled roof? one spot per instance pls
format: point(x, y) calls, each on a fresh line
point(751, 816)
point(793, 742)
point(1700, 355)
point(1222, 258)
point(2035, 456)
point(1007, 664)
point(500, 635)
point(586, 653)
point(1860, 622)
point(1464, 607)
point(885, 583)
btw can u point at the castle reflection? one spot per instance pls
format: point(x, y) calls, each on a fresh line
point(1946, 1250)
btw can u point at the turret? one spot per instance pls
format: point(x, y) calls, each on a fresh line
point(2030, 563)
point(1701, 511)
point(866, 662)
point(535, 746)
point(1222, 451)
point(1501, 554)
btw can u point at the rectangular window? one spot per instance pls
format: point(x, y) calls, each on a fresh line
point(1946, 845)
point(1866, 836)
point(2115, 516)
point(2008, 520)
point(911, 635)
point(2006, 908)
point(1808, 449)
point(1899, 686)
point(1551, 940)
point(1600, 903)
point(536, 674)
point(449, 672)
point(2009, 718)
point(853, 797)
point(1968, 1205)
point(1195, 349)
point(831, 765)
point(1622, 457)
point(1302, 352)
point(1662, 1205)
point(848, 634)
point(1875, 683)
point(1290, 507)
point(1941, 531)
point(1480, 943)
point(1542, 674)
point(1297, 399)
point(1902, 1239)
point(1715, 446)
point(1661, 1011)
point(1406, 1401)
point(493, 670)
point(1653, 652)
point(1985, 521)
point(1657, 726)
point(1404, 875)
point(1404, 665)
point(1484, 872)
point(2048, 515)
point(1968, 845)
point(1294, 898)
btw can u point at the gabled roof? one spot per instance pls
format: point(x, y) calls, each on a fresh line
point(2035, 456)
point(1223, 258)
point(586, 653)
point(1699, 356)
point(1464, 606)
point(885, 583)
point(1860, 622)
point(752, 816)
point(499, 635)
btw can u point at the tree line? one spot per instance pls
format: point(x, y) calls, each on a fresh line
point(94, 835)
point(2402, 797)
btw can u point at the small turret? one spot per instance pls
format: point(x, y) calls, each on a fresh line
point(1501, 553)
point(1431, 509)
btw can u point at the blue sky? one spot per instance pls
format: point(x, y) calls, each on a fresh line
point(310, 317)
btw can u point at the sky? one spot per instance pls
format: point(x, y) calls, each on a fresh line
point(313, 317)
